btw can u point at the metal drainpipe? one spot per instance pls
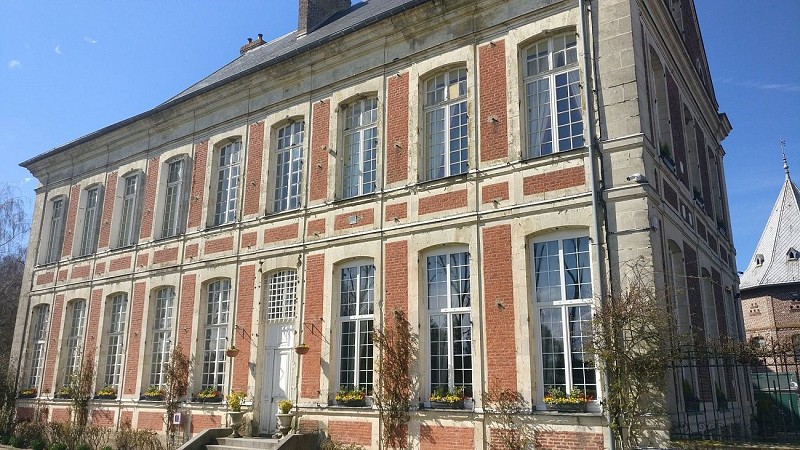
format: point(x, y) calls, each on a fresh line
point(594, 153)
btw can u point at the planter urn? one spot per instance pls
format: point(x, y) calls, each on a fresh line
point(284, 423)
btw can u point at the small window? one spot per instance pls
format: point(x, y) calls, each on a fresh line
point(91, 221)
point(792, 254)
point(130, 216)
point(227, 183)
point(360, 147)
point(56, 237)
point(172, 221)
point(553, 96)
point(446, 133)
point(759, 259)
point(282, 293)
point(289, 170)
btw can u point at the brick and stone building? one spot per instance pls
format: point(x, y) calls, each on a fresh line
point(770, 287)
point(488, 168)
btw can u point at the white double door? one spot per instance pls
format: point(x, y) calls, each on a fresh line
point(277, 372)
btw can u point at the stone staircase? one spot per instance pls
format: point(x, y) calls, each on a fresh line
point(291, 442)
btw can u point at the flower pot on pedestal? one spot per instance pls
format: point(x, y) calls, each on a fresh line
point(284, 423)
point(236, 422)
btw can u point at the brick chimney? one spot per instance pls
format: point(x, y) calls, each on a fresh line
point(251, 44)
point(314, 12)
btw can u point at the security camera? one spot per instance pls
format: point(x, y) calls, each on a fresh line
point(637, 177)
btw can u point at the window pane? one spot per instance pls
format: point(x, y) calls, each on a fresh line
point(552, 340)
point(580, 334)
point(282, 294)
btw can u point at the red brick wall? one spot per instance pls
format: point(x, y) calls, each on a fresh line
point(568, 440)
point(69, 227)
point(59, 415)
point(350, 432)
point(281, 233)
point(80, 271)
point(244, 317)
point(202, 422)
point(95, 309)
point(554, 180)
point(25, 413)
point(397, 129)
point(195, 215)
point(186, 314)
point(135, 336)
point(99, 269)
point(223, 244)
point(123, 262)
point(249, 239)
point(150, 421)
point(312, 327)
point(126, 417)
point(396, 277)
point(165, 255)
point(309, 426)
point(396, 211)
point(319, 151)
point(365, 217)
point(108, 209)
point(103, 418)
point(492, 101)
point(316, 227)
point(499, 306)
point(142, 259)
point(191, 251)
point(252, 179)
point(52, 344)
point(45, 278)
point(496, 191)
point(62, 274)
point(148, 208)
point(442, 202)
point(437, 437)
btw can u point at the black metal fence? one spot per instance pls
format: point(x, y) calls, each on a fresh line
point(742, 396)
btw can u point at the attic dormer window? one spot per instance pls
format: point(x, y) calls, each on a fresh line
point(792, 254)
point(759, 259)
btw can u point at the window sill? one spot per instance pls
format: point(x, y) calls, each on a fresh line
point(357, 199)
point(220, 227)
point(444, 181)
point(544, 160)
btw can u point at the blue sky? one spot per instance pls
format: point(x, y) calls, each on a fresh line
point(68, 68)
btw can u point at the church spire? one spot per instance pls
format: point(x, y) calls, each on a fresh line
point(785, 163)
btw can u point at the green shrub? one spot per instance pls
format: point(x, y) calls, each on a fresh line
point(58, 446)
point(4, 439)
point(107, 447)
point(19, 443)
point(12, 441)
point(37, 444)
point(84, 447)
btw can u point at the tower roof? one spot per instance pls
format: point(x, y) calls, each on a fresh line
point(777, 256)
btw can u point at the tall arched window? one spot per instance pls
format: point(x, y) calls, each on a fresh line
point(446, 130)
point(356, 309)
point(215, 335)
point(289, 169)
point(161, 333)
point(360, 147)
point(38, 335)
point(117, 318)
point(74, 345)
point(227, 183)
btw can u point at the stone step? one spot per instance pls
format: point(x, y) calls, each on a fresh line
point(229, 443)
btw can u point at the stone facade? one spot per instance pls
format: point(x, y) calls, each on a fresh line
point(492, 213)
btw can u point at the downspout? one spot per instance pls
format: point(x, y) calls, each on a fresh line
point(584, 7)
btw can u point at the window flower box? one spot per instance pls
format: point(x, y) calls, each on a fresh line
point(208, 396)
point(448, 399)
point(575, 402)
point(63, 392)
point(351, 397)
point(154, 394)
point(107, 393)
point(27, 393)
point(448, 405)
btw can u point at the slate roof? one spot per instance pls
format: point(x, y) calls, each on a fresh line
point(358, 16)
point(781, 234)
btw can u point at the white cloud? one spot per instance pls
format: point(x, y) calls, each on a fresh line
point(26, 179)
point(14, 64)
point(89, 40)
point(57, 49)
point(784, 87)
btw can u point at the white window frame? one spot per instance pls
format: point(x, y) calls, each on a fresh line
point(40, 325)
point(215, 335)
point(288, 166)
point(74, 343)
point(229, 158)
point(55, 240)
point(162, 317)
point(563, 298)
point(130, 217)
point(360, 147)
point(356, 313)
point(281, 295)
point(540, 82)
point(91, 219)
point(175, 180)
point(445, 102)
point(117, 305)
point(450, 311)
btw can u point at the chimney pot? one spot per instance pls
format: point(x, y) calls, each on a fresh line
point(260, 37)
point(314, 13)
point(249, 40)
